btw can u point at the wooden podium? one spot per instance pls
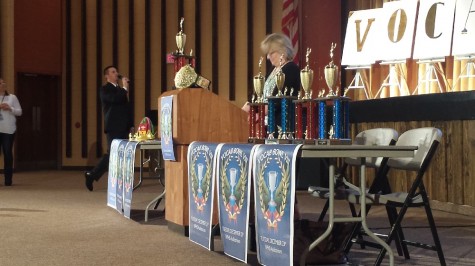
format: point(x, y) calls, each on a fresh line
point(198, 115)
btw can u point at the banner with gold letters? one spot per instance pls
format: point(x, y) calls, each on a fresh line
point(233, 183)
point(129, 165)
point(113, 173)
point(201, 156)
point(274, 168)
point(119, 200)
point(166, 129)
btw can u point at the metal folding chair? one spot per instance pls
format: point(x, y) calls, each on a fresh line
point(427, 140)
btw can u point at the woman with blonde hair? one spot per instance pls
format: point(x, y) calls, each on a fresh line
point(279, 51)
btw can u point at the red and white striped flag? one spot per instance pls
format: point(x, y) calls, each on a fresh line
point(290, 24)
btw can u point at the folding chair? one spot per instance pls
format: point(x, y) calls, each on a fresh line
point(376, 136)
point(427, 140)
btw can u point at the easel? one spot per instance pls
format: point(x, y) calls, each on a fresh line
point(469, 67)
point(431, 74)
point(392, 80)
point(358, 81)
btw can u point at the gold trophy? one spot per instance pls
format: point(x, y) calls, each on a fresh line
point(306, 77)
point(181, 38)
point(259, 83)
point(280, 77)
point(331, 73)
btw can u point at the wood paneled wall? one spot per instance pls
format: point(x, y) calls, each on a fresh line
point(451, 175)
point(136, 36)
point(7, 41)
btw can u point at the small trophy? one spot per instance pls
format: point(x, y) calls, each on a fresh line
point(331, 73)
point(259, 83)
point(306, 77)
point(181, 38)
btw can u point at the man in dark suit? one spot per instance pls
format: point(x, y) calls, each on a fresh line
point(117, 118)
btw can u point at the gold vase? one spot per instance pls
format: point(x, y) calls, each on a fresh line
point(181, 38)
point(331, 78)
point(259, 87)
point(180, 41)
point(306, 78)
point(279, 81)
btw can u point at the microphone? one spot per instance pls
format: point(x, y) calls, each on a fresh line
point(121, 77)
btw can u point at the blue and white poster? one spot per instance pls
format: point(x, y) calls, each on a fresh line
point(166, 129)
point(129, 165)
point(112, 174)
point(274, 190)
point(233, 184)
point(119, 200)
point(201, 157)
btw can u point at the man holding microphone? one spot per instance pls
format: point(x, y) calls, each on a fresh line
point(117, 118)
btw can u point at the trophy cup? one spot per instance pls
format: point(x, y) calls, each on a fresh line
point(306, 77)
point(259, 81)
point(181, 38)
point(257, 109)
point(280, 77)
point(331, 73)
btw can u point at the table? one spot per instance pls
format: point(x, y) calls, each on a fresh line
point(359, 151)
point(143, 146)
point(148, 145)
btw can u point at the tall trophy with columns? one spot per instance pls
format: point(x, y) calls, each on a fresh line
point(305, 107)
point(257, 127)
point(333, 129)
point(179, 58)
point(281, 101)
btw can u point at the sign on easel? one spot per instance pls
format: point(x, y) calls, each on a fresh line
point(464, 29)
point(433, 33)
point(361, 38)
point(396, 30)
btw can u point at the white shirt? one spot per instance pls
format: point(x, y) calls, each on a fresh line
point(8, 118)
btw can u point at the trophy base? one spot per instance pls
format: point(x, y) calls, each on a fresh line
point(305, 141)
point(333, 142)
point(279, 141)
point(256, 141)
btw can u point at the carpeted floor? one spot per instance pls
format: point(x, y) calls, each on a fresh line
point(49, 218)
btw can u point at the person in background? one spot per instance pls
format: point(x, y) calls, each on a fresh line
point(279, 51)
point(9, 109)
point(117, 118)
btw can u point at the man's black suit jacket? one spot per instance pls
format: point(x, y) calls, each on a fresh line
point(116, 109)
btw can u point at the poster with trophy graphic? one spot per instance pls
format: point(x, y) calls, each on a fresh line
point(166, 130)
point(233, 184)
point(113, 173)
point(274, 168)
point(129, 163)
point(119, 199)
point(201, 156)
